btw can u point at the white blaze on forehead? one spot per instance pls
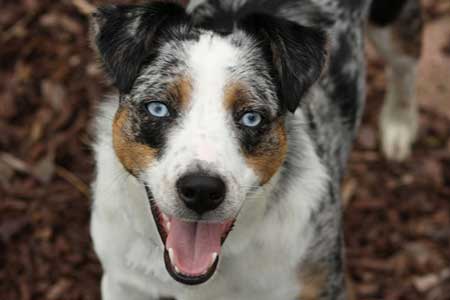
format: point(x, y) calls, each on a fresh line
point(209, 62)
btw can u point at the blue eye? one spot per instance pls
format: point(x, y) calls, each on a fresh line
point(251, 119)
point(158, 109)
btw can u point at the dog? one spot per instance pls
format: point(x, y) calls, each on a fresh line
point(219, 160)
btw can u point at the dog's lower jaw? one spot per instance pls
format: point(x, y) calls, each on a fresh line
point(185, 279)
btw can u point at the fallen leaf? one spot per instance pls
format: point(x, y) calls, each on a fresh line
point(54, 94)
point(45, 168)
point(429, 281)
point(10, 228)
point(367, 138)
point(58, 290)
point(15, 163)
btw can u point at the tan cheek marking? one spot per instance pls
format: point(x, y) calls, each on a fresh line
point(312, 281)
point(270, 155)
point(133, 156)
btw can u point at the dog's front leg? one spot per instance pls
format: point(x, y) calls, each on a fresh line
point(399, 42)
point(116, 290)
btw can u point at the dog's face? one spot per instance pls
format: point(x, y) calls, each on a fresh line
point(201, 116)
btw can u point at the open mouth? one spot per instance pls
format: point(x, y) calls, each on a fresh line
point(192, 249)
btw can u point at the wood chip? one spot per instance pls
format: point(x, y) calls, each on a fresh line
point(84, 6)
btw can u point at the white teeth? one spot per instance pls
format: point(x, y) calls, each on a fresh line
point(213, 260)
point(164, 217)
point(171, 255)
point(176, 269)
point(166, 221)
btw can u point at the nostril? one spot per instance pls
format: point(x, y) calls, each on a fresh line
point(215, 196)
point(188, 192)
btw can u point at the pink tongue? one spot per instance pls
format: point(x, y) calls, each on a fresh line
point(193, 245)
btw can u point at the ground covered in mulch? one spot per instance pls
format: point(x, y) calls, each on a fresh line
point(397, 217)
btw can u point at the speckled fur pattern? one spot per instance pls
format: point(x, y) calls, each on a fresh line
point(287, 242)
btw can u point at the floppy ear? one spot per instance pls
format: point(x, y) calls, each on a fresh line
point(127, 36)
point(298, 53)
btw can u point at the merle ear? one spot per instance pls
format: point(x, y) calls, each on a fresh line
point(126, 37)
point(298, 53)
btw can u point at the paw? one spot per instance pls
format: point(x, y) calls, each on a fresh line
point(398, 132)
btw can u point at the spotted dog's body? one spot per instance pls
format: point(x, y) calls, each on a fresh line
point(233, 126)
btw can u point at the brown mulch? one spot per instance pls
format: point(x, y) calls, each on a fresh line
point(397, 217)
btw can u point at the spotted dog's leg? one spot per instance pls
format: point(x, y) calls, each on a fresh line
point(395, 28)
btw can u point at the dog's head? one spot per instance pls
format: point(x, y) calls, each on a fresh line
point(201, 120)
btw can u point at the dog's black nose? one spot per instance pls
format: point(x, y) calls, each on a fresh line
point(201, 193)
